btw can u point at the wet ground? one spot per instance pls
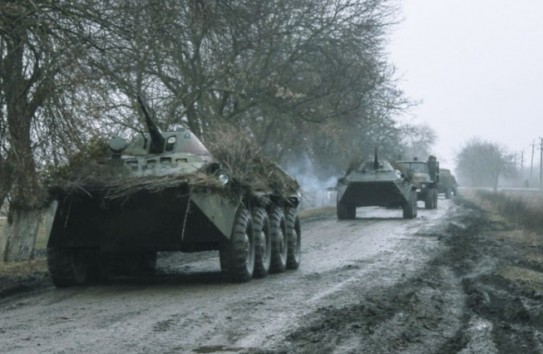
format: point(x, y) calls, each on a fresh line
point(454, 280)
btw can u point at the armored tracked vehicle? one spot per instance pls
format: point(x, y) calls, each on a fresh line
point(166, 192)
point(424, 176)
point(375, 184)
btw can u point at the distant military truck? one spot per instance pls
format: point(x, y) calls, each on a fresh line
point(425, 177)
point(447, 183)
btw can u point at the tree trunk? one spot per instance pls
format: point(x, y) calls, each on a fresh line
point(496, 179)
point(22, 99)
point(5, 179)
point(20, 235)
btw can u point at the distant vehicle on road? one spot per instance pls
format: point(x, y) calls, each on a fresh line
point(447, 183)
point(424, 176)
point(375, 183)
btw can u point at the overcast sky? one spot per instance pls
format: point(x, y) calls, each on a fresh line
point(477, 67)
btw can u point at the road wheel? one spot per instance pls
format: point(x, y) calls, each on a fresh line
point(345, 212)
point(294, 239)
point(67, 266)
point(410, 207)
point(262, 235)
point(237, 255)
point(279, 242)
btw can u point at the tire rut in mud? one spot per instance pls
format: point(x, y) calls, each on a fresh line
point(459, 303)
point(510, 312)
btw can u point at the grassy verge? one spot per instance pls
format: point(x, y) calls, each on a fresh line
point(317, 213)
point(523, 210)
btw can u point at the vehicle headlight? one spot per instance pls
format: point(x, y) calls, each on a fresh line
point(423, 185)
point(224, 178)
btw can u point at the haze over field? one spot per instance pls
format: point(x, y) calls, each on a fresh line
point(477, 67)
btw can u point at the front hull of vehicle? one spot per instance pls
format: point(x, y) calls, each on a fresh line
point(172, 219)
point(376, 193)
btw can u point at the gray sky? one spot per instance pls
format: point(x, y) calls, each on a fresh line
point(477, 65)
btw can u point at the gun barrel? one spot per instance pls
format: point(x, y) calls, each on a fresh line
point(157, 140)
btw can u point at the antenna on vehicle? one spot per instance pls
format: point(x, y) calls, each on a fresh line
point(375, 160)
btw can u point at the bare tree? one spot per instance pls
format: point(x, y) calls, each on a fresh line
point(302, 77)
point(481, 163)
point(39, 40)
point(288, 73)
point(280, 71)
point(417, 141)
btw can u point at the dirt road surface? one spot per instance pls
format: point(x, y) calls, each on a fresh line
point(377, 284)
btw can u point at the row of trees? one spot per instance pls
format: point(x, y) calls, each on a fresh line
point(482, 163)
point(305, 78)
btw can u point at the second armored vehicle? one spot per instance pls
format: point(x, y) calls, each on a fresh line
point(375, 184)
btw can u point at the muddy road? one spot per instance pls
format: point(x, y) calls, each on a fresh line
point(377, 284)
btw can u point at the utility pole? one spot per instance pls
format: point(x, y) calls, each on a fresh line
point(521, 164)
point(532, 163)
point(540, 163)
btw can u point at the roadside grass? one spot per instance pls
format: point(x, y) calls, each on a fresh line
point(317, 213)
point(524, 212)
point(528, 278)
point(18, 269)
